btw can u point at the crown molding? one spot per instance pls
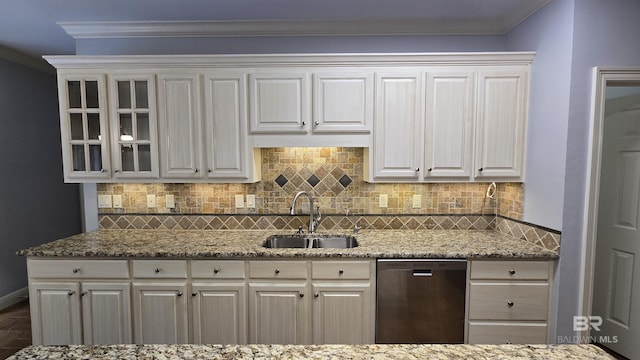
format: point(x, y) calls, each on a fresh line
point(253, 28)
point(283, 60)
point(26, 60)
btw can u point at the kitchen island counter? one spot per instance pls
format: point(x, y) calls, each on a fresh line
point(546, 352)
point(248, 244)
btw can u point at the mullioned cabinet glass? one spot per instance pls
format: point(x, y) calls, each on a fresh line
point(134, 126)
point(83, 126)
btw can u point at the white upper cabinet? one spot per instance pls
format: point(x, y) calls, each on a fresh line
point(449, 119)
point(180, 125)
point(397, 126)
point(279, 102)
point(501, 124)
point(83, 127)
point(225, 116)
point(134, 140)
point(342, 102)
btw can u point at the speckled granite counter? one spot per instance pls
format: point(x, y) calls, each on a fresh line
point(248, 244)
point(542, 352)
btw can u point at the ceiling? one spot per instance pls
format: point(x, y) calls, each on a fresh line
point(31, 26)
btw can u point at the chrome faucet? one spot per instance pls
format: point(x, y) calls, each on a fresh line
point(313, 222)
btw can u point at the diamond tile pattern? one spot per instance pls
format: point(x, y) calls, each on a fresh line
point(313, 180)
point(541, 237)
point(281, 180)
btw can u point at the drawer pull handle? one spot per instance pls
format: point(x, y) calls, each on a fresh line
point(510, 303)
point(216, 270)
point(340, 272)
point(157, 270)
point(512, 272)
point(76, 270)
point(179, 293)
point(70, 293)
point(277, 271)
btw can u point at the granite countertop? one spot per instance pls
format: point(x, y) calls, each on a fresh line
point(248, 244)
point(542, 352)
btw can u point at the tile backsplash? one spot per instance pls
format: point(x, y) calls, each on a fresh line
point(334, 176)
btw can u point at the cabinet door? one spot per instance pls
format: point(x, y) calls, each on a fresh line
point(450, 111)
point(219, 313)
point(83, 125)
point(160, 313)
point(397, 126)
point(278, 313)
point(279, 102)
point(134, 126)
point(106, 313)
point(501, 123)
point(342, 102)
point(55, 313)
point(180, 126)
point(343, 313)
point(228, 154)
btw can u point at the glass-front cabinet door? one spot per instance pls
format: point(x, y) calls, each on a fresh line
point(133, 121)
point(84, 128)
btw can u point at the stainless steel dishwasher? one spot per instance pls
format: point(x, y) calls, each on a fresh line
point(420, 301)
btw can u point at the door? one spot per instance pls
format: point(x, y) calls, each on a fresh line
point(160, 313)
point(616, 291)
point(500, 124)
point(450, 110)
point(342, 313)
point(55, 313)
point(180, 125)
point(398, 126)
point(279, 102)
point(219, 313)
point(106, 313)
point(278, 313)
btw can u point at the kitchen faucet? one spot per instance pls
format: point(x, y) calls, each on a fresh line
point(313, 223)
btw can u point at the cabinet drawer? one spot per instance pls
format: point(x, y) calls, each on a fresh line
point(507, 333)
point(510, 270)
point(217, 269)
point(340, 270)
point(505, 301)
point(78, 269)
point(278, 269)
point(160, 269)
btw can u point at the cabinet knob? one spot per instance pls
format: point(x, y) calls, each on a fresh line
point(209, 170)
point(509, 303)
point(340, 272)
point(157, 270)
point(304, 123)
point(301, 295)
point(277, 271)
point(216, 270)
point(429, 169)
point(316, 123)
point(196, 170)
point(481, 169)
point(179, 293)
point(417, 169)
point(70, 293)
point(194, 294)
point(103, 170)
point(76, 270)
point(83, 293)
point(316, 295)
point(512, 272)
point(116, 171)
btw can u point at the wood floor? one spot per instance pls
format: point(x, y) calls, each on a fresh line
point(15, 329)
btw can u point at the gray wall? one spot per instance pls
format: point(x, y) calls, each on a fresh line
point(35, 206)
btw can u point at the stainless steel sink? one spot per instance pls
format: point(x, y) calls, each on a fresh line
point(310, 241)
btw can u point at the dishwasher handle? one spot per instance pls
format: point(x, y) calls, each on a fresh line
point(422, 273)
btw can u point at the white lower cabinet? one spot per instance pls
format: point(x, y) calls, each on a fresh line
point(160, 312)
point(508, 302)
point(55, 313)
point(106, 313)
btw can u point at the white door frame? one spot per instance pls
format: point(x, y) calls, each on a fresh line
point(601, 77)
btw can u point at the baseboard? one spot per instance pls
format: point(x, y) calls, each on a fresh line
point(14, 298)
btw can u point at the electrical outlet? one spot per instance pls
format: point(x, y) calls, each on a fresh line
point(117, 201)
point(251, 201)
point(239, 201)
point(151, 201)
point(383, 200)
point(170, 201)
point(104, 201)
point(417, 201)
